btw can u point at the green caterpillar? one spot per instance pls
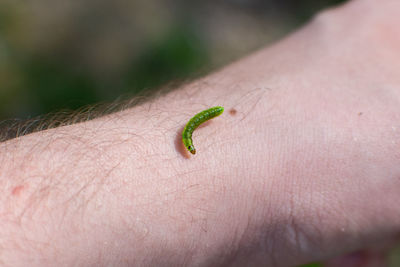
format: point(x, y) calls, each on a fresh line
point(194, 122)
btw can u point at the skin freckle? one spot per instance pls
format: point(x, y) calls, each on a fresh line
point(17, 190)
point(232, 111)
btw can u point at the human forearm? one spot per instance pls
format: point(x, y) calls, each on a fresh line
point(271, 182)
point(120, 186)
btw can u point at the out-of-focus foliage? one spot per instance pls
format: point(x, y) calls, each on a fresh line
point(65, 54)
point(312, 265)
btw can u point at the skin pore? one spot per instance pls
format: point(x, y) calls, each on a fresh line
point(303, 167)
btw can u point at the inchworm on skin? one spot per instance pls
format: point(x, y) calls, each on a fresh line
point(194, 122)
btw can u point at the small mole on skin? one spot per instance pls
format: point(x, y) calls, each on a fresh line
point(232, 111)
point(17, 190)
point(360, 113)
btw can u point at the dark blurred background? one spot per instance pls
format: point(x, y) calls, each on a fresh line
point(66, 54)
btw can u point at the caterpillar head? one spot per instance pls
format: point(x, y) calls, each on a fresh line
point(192, 149)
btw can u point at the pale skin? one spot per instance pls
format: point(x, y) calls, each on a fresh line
point(302, 166)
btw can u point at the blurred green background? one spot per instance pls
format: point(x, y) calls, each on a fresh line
point(66, 54)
